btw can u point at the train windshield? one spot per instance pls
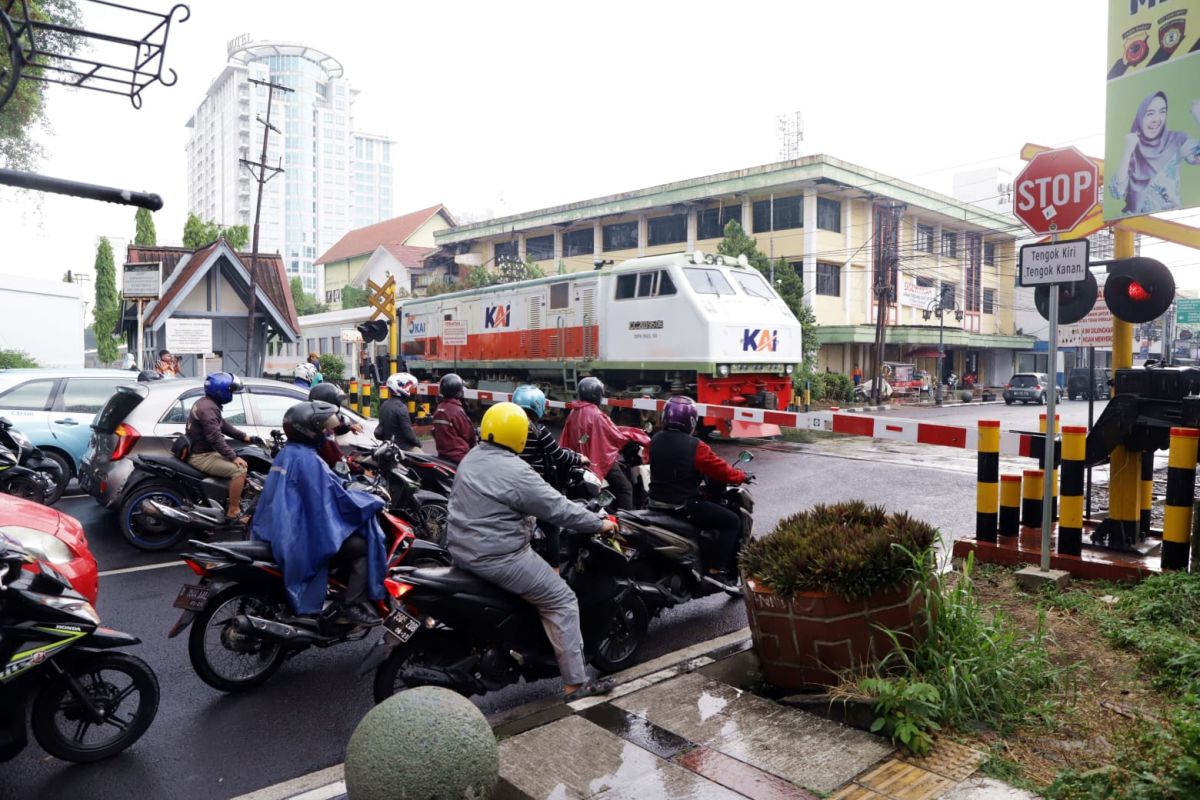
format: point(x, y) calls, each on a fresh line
point(707, 281)
point(752, 284)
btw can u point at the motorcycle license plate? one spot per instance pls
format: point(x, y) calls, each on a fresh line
point(401, 624)
point(192, 598)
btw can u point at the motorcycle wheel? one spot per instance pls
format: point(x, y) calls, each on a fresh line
point(424, 650)
point(622, 635)
point(143, 531)
point(224, 658)
point(27, 489)
point(115, 682)
point(64, 477)
point(431, 521)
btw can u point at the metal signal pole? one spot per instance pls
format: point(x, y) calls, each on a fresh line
point(262, 173)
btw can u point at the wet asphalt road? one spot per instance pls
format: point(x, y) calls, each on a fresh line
point(204, 744)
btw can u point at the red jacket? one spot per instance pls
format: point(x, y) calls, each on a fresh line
point(713, 467)
point(590, 431)
point(453, 432)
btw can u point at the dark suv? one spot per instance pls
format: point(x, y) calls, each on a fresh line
point(1077, 384)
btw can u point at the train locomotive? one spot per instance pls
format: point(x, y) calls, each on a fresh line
point(706, 325)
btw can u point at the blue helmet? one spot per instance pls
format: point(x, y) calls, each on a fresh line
point(220, 386)
point(530, 398)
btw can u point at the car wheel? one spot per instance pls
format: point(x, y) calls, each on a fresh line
point(1042, 399)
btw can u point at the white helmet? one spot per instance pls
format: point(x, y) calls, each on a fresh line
point(401, 384)
point(305, 372)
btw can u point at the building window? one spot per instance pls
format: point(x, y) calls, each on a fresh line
point(506, 251)
point(560, 296)
point(829, 214)
point(621, 236)
point(950, 244)
point(949, 294)
point(789, 213)
point(540, 248)
point(667, 230)
point(711, 222)
point(927, 283)
point(579, 243)
point(829, 279)
point(989, 254)
point(989, 301)
point(312, 345)
point(925, 238)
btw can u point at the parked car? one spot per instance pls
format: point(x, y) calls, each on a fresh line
point(144, 419)
point(1029, 387)
point(1077, 383)
point(53, 537)
point(55, 407)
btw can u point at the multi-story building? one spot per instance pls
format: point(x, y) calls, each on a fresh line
point(842, 227)
point(314, 202)
point(372, 179)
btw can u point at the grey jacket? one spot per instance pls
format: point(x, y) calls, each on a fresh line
point(494, 502)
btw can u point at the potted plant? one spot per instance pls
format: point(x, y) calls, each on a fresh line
point(820, 588)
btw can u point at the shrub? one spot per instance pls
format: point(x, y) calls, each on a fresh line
point(332, 367)
point(907, 711)
point(816, 383)
point(848, 549)
point(839, 387)
point(16, 359)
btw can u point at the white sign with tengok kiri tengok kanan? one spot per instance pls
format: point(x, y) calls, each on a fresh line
point(1054, 262)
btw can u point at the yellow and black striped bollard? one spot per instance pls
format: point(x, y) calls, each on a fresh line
point(1181, 490)
point(1147, 494)
point(1010, 508)
point(1070, 524)
point(353, 392)
point(987, 488)
point(366, 400)
point(1048, 447)
point(1031, 500)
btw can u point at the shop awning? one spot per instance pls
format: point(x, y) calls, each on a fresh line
point(923, 352)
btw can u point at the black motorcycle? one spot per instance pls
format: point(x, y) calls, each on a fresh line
point(459, 631)
point(402, 473)
point(84, 700)
point(166, 499)
point(27, 472)
point(668, 563)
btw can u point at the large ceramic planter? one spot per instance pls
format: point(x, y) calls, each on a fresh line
point(803, 641)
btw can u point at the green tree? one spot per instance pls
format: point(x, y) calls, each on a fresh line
point(197, 233)
point(788, 283)
point(332, 367)
point(353, 297)
point(107, 310)
point(238, 236)
point(16, 359)
point(305, 302)
point(145, 236)
point(26, 109)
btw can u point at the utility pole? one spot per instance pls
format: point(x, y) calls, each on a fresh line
point(887, 258)
point(262, 173)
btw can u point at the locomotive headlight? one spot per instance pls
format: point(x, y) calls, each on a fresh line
point(723, 370)
point(788, 368)
point(698, 257)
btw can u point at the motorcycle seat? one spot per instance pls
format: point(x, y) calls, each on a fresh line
point(459, 581)
point(259, 551)
point(171, 462)
point(665, 520)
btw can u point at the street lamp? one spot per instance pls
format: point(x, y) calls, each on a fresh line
point(941, 308)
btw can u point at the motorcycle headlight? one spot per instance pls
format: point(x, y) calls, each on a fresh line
point(21, 439)
point(73, 605)
point(39, 544)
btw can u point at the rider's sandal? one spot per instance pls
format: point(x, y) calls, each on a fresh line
point(591, 689)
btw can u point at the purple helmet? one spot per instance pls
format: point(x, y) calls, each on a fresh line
point(680, 414)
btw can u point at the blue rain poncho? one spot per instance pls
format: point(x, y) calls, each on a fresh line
point(306, 514)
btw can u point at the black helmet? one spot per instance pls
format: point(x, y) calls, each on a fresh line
point(591, 390)
point(328, 393)
point(450, 386)
point(305, 423)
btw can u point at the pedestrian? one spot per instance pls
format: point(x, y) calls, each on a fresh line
point(315, 360)
point(453, 432)
point(166, 366)
point(856, 375)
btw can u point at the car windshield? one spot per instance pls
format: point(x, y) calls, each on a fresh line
point(1024, 381)
point(707, 281)
point(752, 284)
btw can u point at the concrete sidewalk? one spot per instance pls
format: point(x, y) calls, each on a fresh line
point(683, 726)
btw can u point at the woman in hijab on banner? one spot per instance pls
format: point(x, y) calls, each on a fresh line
point(1148, 175)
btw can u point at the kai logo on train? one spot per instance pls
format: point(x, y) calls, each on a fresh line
point(414, 328)
point(497, 317)
point(760, 340)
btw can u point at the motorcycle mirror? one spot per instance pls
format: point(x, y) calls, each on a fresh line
point(341, 469)
point(745, 457)
point(606, 497)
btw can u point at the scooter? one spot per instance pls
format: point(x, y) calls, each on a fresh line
point(667, 564)
point(84, 700)
point(427, 511)
point(25, 471)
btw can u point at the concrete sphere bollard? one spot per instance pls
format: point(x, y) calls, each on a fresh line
point(422, 743)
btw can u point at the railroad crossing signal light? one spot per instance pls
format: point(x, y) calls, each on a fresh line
point(374, 331)
point(1075, 300)
point(1138, 289)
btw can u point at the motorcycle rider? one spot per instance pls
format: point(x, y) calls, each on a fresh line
point(306, 376)
point(489, 529)
point(548, 459)
point(678, 461)
point(395, 423)
point(330, 450)
point(453, 432)
point(592, 432)
point(313, 522)
point(208, 451)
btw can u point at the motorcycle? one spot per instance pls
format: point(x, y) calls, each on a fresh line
point(27, 472)
point(167, 497)
point(427, 511)
point(85, 700)
point(242, 625)
point(667, 564)
point(459, 631)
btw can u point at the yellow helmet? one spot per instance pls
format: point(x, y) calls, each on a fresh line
point(505, 424)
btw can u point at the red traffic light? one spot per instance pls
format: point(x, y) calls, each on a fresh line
point(1137, 292)
point(1138, 289)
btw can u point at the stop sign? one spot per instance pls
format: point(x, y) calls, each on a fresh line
point(1056, 190)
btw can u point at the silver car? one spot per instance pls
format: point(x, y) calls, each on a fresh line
point(144, 419)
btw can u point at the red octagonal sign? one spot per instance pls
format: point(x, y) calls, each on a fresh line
point(1056, 190)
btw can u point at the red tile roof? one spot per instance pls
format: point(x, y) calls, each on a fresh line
point(409, 255)
point(393, 232)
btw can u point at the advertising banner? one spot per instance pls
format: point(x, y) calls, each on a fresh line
point(1152, 125)
point(1187, 328)
point(912, 294)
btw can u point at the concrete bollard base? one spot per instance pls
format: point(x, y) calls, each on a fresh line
point(1031, 579)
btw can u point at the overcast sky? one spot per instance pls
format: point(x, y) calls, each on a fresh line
point(514, 106)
